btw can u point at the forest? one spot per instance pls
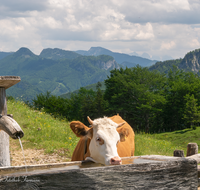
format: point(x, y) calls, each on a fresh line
point(149, 101)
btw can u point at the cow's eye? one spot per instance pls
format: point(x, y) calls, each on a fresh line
point(100, 140)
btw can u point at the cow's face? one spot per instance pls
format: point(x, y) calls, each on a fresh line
point(104, 139)
point(103, 145)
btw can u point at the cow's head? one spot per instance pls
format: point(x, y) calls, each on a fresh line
point(104, 139)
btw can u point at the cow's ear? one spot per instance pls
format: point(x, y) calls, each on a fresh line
point(90, 133)
point(123, 133)
point(79, 128)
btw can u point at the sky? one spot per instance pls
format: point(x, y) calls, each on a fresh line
point(159, 28)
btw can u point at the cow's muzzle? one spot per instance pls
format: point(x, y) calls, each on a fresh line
point(115, 160)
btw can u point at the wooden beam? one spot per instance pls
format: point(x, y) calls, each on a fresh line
point(171, 174)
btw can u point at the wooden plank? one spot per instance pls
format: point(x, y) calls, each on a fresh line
point(175, 174)
point(8, 81)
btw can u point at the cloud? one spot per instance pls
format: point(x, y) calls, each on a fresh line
point(168, 46)
point(166, 12)
point(24, 5)
point(153, 26)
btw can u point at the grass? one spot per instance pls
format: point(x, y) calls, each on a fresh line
point(146, 144)
point(166, 143)
point(42, 131)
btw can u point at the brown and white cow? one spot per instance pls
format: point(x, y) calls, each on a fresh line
point(105, 142)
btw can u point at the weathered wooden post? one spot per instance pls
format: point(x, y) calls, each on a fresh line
point(192, 149)
point(5, 83)
point(178, 153)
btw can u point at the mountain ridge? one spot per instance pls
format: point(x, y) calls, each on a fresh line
point(190, 62)
point(119, 57)
point(59, 76)
point(61, 71)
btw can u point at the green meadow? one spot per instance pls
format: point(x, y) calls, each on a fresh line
point(43, 131)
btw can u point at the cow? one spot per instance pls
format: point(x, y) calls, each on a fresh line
point(105, 142)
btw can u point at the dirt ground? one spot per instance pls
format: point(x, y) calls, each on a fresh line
point(32, 156)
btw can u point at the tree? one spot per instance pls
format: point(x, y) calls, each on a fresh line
point(192, 112)
point(136, 94)
point(100, 103)
point(178, 85)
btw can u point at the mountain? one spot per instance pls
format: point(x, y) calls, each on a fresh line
point(4, 54)
point(128, 64)
point(146, 55)
point(40, 74)
point(191, 62)
point(165, 66)
point(134, 53)
point(57, 54)
point(119, 57)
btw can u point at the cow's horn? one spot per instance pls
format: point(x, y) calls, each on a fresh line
point(89, 120)
point(120, 124)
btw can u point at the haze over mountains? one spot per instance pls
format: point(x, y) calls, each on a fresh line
point(121, 58)
point(60, 71)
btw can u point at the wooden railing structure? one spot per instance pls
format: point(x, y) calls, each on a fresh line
point(152, 172)
point(192, 152)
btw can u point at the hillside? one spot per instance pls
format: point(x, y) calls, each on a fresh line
point(121, 58)
point(40, 74)
point(165, 66)
point(191, 62)
point(88, 87)
point(44, 142)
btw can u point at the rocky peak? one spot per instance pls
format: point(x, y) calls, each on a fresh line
point(191, 61)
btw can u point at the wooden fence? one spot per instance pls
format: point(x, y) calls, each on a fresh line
point(140, 172)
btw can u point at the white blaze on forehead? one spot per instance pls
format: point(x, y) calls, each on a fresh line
point(105, 129)
point(105, 124)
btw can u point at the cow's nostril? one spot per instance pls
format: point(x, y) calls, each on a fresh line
point(115, 161)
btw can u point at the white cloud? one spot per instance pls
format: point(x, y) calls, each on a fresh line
point(153, 26)
point(168, 46)
point(194, 43)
